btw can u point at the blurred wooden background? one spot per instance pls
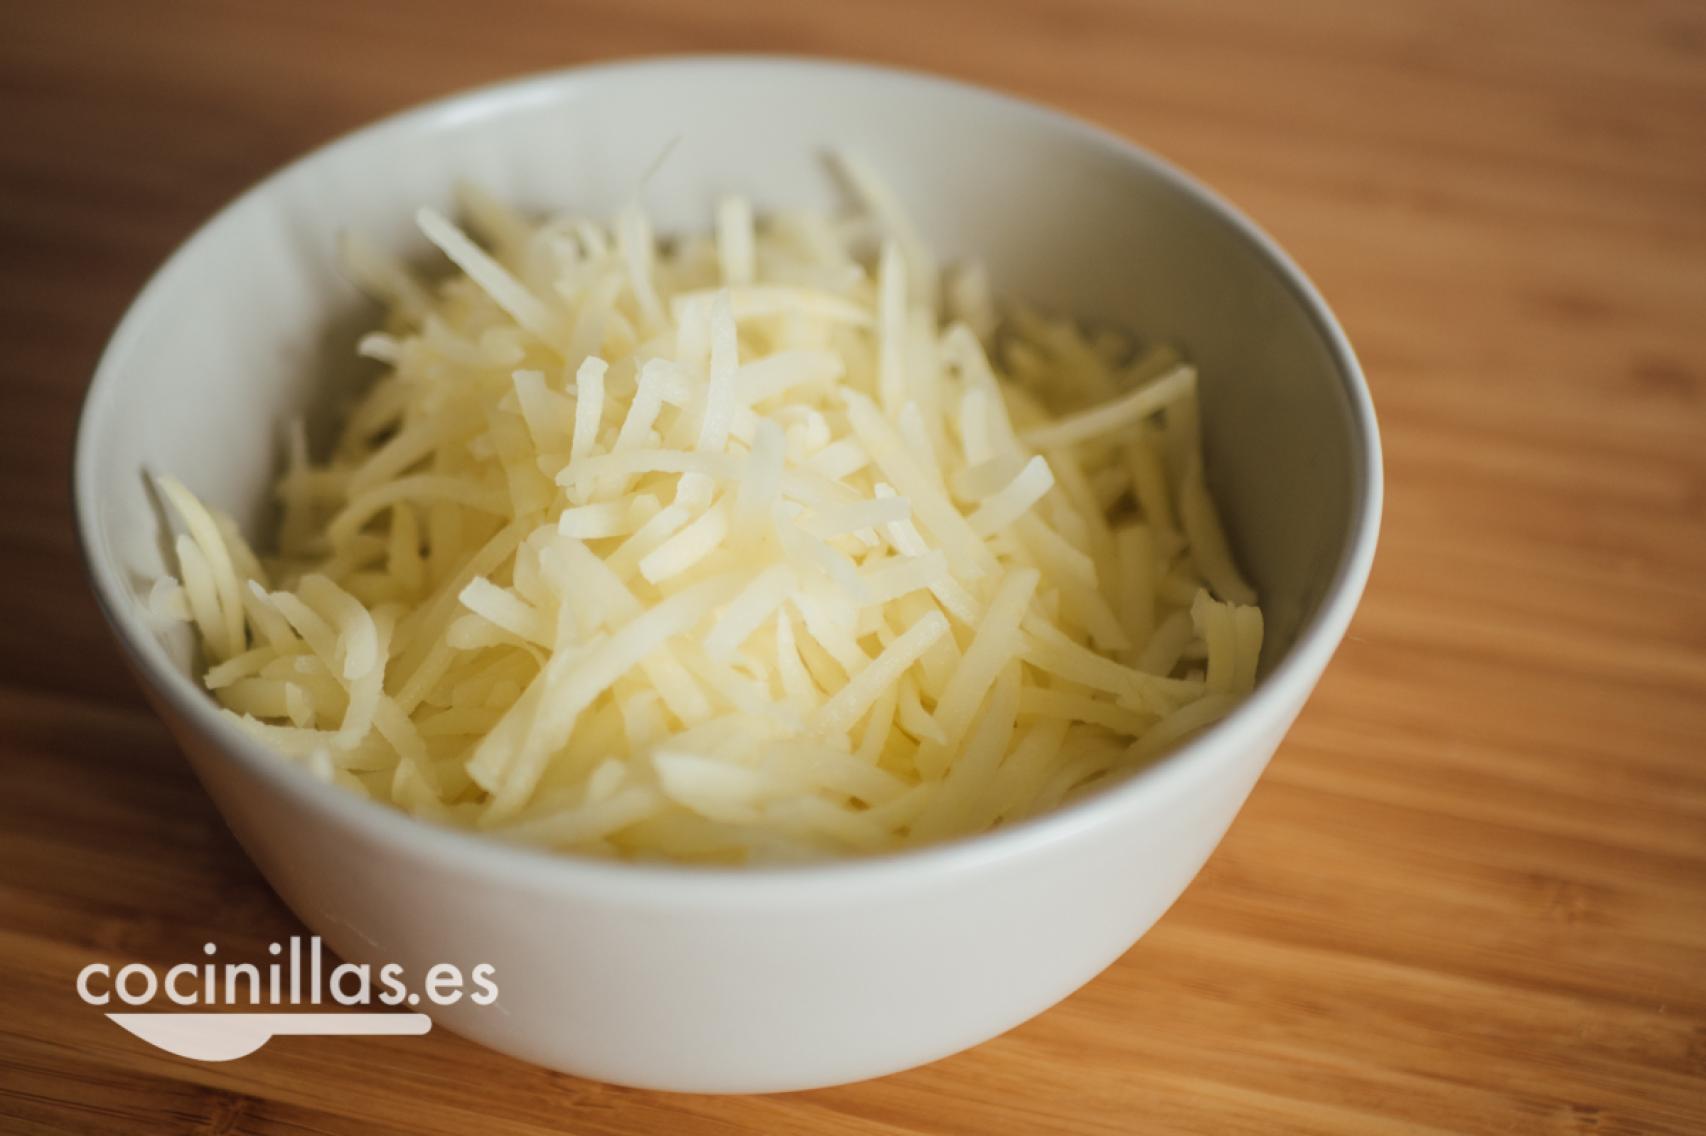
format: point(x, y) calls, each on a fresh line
point(1470, 896)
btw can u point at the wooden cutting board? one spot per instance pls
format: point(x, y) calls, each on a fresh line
point(1470, 896)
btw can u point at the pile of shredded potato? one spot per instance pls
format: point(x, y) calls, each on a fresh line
point(727, 549)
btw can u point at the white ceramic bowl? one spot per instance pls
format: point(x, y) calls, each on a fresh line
point(781, 978)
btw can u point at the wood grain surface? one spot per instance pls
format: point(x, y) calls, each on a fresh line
point(1469, 896)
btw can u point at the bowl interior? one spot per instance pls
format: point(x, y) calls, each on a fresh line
point(252, 323)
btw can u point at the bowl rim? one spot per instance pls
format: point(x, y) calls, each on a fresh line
point(472, 852)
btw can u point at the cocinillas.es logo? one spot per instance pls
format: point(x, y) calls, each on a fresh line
point(223, 1010)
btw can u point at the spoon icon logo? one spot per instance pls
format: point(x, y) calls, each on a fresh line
point(226, 1037)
